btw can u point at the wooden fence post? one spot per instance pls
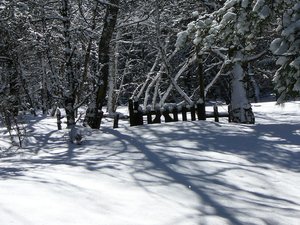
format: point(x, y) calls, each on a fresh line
point(139, 117)
point(166, 114)
point(193, 112)
point(135, 113)
point(58, 117)
point(149, 117)
point(175, 114)
point(131, 113)
point(184, 111)
point(116, 120)
point(216, 113)
point(201, 111)
point(157, 116)
point(229, 112)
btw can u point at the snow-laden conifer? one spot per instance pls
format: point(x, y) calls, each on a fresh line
point(287, 48)
point(233, 28)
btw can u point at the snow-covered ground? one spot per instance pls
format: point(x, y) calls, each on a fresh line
point(183, 173)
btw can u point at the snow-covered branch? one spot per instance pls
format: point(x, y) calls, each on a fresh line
point(136, 21)
point(255, 57)
point(104, 2)
point(187, 64)
point(215, 79)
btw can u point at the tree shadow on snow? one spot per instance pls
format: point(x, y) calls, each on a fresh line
point(169, 156)
point(264, 147)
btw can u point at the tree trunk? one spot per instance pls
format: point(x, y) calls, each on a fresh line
point(110, 20)
point(240, 107)
point(201, 100)
point(69, 95)
point(44, 90)
point(111, 103)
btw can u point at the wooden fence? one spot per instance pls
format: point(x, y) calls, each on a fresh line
point(171, 114)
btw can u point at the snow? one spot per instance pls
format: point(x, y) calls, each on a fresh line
point(228, 17)
point(258, 5)
point(183, 173)
point(296, 63)
point(230, 3)
point(285, 47)
point(275, 44)
point(265, 12)
point(297, 86)
point(245, 3)
point(181, 39)
point(195, 14)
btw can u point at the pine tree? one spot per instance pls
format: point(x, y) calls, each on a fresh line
point(230, 32)
point(287, 48)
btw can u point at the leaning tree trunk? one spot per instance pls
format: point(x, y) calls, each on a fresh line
point(95, 114)
point(240, 107)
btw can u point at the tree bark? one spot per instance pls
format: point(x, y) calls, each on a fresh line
point(69, 95)
point(240, 107)
point(110, 20)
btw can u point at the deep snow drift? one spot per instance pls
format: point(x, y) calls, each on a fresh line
point(185, 173)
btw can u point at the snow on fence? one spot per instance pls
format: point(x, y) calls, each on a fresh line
point(171, 114)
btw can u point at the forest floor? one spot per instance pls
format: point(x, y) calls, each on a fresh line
point(183, 173)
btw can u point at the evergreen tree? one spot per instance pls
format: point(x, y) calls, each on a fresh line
point(287, 48)
point(231, 32)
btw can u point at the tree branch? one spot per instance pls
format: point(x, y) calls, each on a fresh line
point(255, 57)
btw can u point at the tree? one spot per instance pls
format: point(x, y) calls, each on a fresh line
point(70, 92)
point(159, 67)
point(231, 32)
point(68, 53)
point(110, 20)
point(287, 48)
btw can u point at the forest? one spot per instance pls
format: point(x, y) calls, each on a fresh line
point(98, 54)
point(69, 68)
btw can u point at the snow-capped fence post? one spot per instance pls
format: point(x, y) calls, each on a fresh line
point(58, 117)
point(201, 111)
point(138, 113)
point(216, 113)
point(157, 116)
point(116, 120)
point(184, 111)
point(175, 114)
point(135, 113)
point(193, 112)
point(229, 117)
point(131, 112)
point(166, 114)
point(149, 117)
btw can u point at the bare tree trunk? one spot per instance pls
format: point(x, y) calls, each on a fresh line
point(110, 20)
point(69, 94)
point(44, 91)
point(113, 76)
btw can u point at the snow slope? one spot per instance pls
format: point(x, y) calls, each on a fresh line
point(184, 173)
